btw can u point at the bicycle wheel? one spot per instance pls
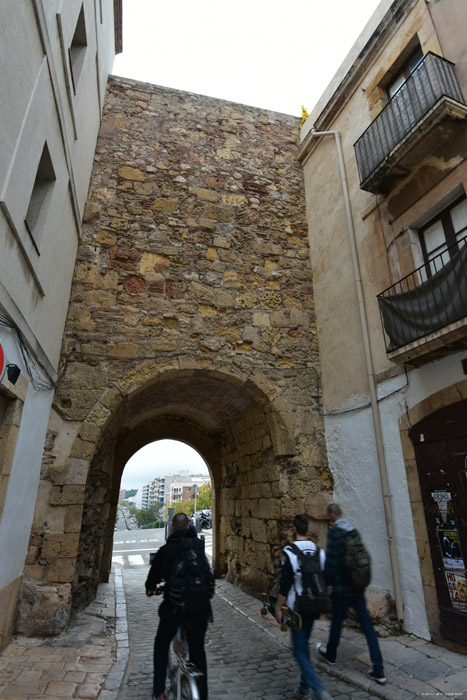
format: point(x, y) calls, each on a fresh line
point(189, 688)
point(172, 673)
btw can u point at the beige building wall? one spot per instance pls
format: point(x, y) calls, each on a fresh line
point(386, 249)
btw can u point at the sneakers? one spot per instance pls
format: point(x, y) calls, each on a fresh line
point(321, 649)
point(378, 677)
point(301, 695)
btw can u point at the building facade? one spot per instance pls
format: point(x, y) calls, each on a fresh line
point(51, 103)
point(173, 488)
point(384, 158)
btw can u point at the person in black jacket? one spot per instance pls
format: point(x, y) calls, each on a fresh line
point(172, 615)
point(345, 597)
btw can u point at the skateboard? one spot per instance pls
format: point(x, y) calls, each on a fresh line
point(290, 618)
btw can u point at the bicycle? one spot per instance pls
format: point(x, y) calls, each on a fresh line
point(182, 675)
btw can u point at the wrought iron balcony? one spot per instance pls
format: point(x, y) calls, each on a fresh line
point(431, 298)
point(432, 89)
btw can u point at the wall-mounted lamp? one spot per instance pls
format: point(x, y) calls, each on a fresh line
point(13, 372)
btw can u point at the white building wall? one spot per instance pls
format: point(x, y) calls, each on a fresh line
point(350, 441)
point(37, 108)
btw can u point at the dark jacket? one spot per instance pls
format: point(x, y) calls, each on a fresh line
point(335, 552)
point(162, 565)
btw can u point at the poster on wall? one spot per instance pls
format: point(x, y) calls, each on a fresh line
point(457, 585)
point(450, 548)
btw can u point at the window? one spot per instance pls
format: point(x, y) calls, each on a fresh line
point(442, 234)
point(77, 50)
point(404, 72)
point(41, 195)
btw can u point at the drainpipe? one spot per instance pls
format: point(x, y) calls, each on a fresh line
point(371, 380)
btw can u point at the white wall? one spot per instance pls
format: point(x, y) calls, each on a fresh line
point(350, 441)
point(38, 107)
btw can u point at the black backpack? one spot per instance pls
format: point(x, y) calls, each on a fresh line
point(356, 565)
point(190, 584)
point(314, 597)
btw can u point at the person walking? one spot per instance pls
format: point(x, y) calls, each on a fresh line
point(189, 586)
point(290, 586)
point(345, 596)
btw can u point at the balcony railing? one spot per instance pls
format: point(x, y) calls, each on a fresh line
point(429, 299)
point(433, 79)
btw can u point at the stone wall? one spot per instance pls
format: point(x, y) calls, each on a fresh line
point(191, 318)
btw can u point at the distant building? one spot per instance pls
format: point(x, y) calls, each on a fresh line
point(145, 496)
point(173, 488)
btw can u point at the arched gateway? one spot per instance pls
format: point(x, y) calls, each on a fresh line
point(191, 318)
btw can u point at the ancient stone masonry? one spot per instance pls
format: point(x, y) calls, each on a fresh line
point(191, 317)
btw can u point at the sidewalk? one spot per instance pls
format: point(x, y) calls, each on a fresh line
point(89, 661)
point(414, 669)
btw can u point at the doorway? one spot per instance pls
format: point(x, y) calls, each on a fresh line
point(440, 443)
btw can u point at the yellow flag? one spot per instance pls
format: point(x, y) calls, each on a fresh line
point(305, 116)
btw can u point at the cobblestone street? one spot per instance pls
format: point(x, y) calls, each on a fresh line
point(244, 661)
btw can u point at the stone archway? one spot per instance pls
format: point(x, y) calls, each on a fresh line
point(191, 310)
point(259, 481)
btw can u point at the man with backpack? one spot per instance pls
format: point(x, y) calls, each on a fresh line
point(189, 586)
point(348, 572)
point(302, 586)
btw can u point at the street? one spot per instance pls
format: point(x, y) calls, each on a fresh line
point(244, 661)
point(106, 654)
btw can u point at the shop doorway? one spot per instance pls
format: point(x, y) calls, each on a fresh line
point(440, 443)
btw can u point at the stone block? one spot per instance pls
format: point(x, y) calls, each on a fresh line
point(60, 545)
point(316, 505)
point(152, 262)
point(165, 204)
point(66, 495)
point(378, 602)
point(258, 529)
point(8, 599)
point(92, 211)
point(43, 610)
point(75, 471)
point(73, 518)
point(61, 571)
point(204, 195)
point(82, 449)
point(128, 173)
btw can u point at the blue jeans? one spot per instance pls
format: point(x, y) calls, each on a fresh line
point(301, 650)
point(340, 605)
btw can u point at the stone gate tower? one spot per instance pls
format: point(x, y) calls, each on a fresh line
point(191, 318)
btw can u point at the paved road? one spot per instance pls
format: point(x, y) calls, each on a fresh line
point(243, 661)
point(132, 547)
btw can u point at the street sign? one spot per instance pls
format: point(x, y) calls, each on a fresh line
point(2, 361)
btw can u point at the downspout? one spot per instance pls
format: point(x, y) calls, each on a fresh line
point(371, 380)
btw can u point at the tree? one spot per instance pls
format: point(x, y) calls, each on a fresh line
point(148, 515)
point(204, 497)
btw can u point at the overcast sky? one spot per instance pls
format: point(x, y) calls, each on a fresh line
point(160, 459)
point(271, 54)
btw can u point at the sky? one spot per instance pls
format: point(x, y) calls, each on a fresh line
point(271, 54)
point(160, 458)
